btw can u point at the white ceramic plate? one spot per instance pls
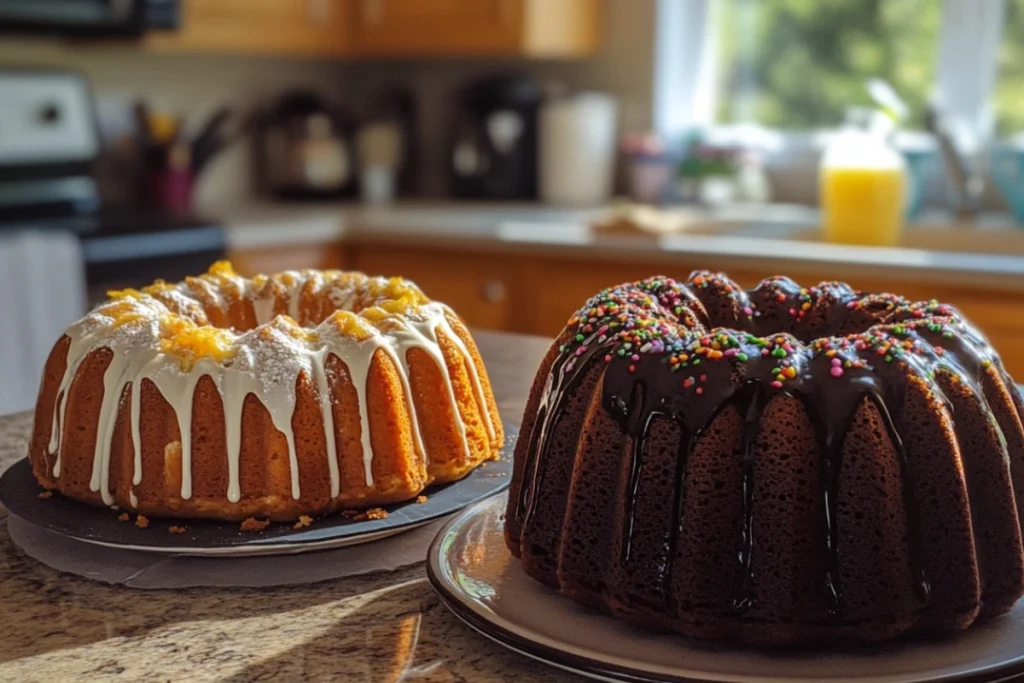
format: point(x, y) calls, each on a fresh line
point(484, 586)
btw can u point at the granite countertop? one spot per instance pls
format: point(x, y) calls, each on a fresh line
point(985, 255)
point(382, 627)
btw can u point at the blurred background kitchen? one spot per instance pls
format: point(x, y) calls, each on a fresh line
point(510, 156)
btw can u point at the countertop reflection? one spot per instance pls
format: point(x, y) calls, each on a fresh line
point(382, 627)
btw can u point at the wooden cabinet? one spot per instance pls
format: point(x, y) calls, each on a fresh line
point(300, 27)
point(548, 28)
point(386, 28)
point(249, 262)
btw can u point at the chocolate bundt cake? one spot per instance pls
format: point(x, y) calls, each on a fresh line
point(783, 465)
point(277, 396)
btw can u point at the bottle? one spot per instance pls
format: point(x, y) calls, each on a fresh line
point(863, 183)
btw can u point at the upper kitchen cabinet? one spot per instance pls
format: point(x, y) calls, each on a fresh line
point(283, 27)
point(415, 28)
point(386, 28)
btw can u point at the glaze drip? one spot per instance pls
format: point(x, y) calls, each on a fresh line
point(755, 404)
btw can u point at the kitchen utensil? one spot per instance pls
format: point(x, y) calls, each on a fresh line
point(210, 138)
point(577, 150)
point(164, 129)
point(967, 183)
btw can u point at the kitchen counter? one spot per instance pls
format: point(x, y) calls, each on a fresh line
point(383, 627)
point(779, 239)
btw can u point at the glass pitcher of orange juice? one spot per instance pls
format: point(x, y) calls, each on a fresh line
point(863, 183)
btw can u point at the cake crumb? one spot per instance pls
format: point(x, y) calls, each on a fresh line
point(123, 517)
point(142, 521)
point(45, 494)
point(421, 499)
point(253, 524)
point(375, 513)
point(363, 515)
point(304, 520)
point(175, 529)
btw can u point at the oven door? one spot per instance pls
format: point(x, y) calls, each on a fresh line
point(88, 18)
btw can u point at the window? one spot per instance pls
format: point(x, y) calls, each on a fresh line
point(1008, 103)
point(793, 66)
point(799, 64)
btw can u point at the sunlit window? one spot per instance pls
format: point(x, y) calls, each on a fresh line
point(799, 64)
point(1008, 102)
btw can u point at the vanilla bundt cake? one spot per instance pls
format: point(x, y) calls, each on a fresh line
point(280, 396)
point(781, 465)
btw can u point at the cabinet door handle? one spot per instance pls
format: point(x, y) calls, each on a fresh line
point(494, 291)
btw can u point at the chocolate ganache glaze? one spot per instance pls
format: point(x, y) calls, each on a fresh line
point(683, 352)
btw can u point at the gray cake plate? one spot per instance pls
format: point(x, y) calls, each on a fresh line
point(484, 586)
point(19, 492)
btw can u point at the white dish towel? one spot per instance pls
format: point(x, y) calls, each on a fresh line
point(42, 291)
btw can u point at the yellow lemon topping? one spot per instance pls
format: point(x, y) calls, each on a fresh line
point(190, 342)
point(157, 287)
point(288, 325)
point(129, 293)
point(223, 269)
point(351, 325)
point(383, 302)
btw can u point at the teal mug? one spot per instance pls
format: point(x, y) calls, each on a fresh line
point(1007, 167)
point(919, 167)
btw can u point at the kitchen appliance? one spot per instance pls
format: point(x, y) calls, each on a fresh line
point(494, 150)
point(88, 18)
point(378, 146)
point(49, 143)
point(306, 149)
point(396, 105)
point(577, 148)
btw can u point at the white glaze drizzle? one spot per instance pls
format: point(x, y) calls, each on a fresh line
point(263, 309)
point(266, 362)
point(326, 409)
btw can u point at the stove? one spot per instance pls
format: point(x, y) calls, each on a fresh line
point(49, 142)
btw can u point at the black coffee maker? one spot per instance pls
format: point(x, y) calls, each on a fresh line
point(493, 154)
